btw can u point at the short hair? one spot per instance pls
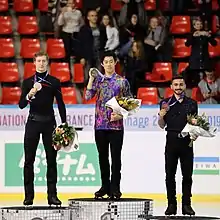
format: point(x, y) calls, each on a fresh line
point(40, 54)
point(178, 77)
point(109, 54)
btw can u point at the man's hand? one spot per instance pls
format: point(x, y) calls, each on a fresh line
point(91, 77)
point(115, 117)
point(32, 92)
point(206, 95)
point(193, 137)
point(162, 112)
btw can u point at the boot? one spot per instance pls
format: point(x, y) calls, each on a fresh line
point(115, 194)
point(28, 201)
point(102, 192)
point(171, 209)
point(187, 210)
point(53, 200)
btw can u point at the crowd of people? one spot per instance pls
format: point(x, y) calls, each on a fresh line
point(138, 39)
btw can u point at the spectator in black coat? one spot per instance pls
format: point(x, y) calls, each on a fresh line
point(199, 59)
point(92, 39)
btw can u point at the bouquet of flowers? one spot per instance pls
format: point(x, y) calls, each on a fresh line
point(124, 106)
point(198, 126)
point(65, 138)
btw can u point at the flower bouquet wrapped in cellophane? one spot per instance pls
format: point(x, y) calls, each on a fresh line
point(198, 126)
point(124, 106)
point(65, 138)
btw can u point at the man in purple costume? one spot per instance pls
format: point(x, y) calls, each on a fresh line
point(109, 129)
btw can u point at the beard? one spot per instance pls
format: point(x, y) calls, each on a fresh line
point(178, 92)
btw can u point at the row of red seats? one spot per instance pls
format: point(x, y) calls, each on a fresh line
point(11, 95)
point(28, 25)
point(149, 95)
point(162, 72)
point(55, 48)
point(9, 72)
point(27, 6)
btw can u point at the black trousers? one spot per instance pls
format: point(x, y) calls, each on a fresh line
point(178, 148)
point(33, 130)
point(114, 139)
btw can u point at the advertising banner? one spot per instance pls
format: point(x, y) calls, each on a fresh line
point(82, 116)
point(142, 165)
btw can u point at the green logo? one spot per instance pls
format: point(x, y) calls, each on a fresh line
point(79, 168)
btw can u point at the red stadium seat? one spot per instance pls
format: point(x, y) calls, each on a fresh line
point(43, 5)
point(217, 69)
point(118, 68)
point(29, 47)
point(180, 25)
point(10, 95)
point(168, 92)
point(3, 5)
point(27, 25)
point(179, 49)
point(196, 95)
point(29, 70)
point(214, 23)
point(182, 67)
point(69, 95)
point(55, 48)
point(215, 5)
point(162, 72)
point(5, 25)
point(60, 71)
point(79, 4)
point(78, 73)
point(91, 101)
point(116, 5)
point(23, 5)
point(215, 51)
point(148, 95)
point(164, 5)
point(9, 72)
point(150, 5)
point(6, 48)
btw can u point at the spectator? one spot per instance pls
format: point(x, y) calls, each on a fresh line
point(199, 58)
point(131, 7)
point(128, 33)
point(100, 6)
point(71, 21)
point(206, 11)
point(112, 33)
point(153, 42)
point(210, 88)
point(135, 66)
point(93, 39)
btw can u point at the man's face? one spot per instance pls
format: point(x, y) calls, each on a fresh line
point(178, 86)
point(93, 17)
point(109, 65)
point(198, 25)
point(41, 63)
point(209, 74)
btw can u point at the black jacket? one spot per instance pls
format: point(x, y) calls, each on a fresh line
point(86, 42)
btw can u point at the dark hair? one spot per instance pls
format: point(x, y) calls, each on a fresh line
point(178, 77)
point(40, 54)
point(109, 54)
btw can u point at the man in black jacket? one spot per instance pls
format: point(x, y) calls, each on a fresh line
point(39, 91)
point(92, 43)
point(173, 115)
